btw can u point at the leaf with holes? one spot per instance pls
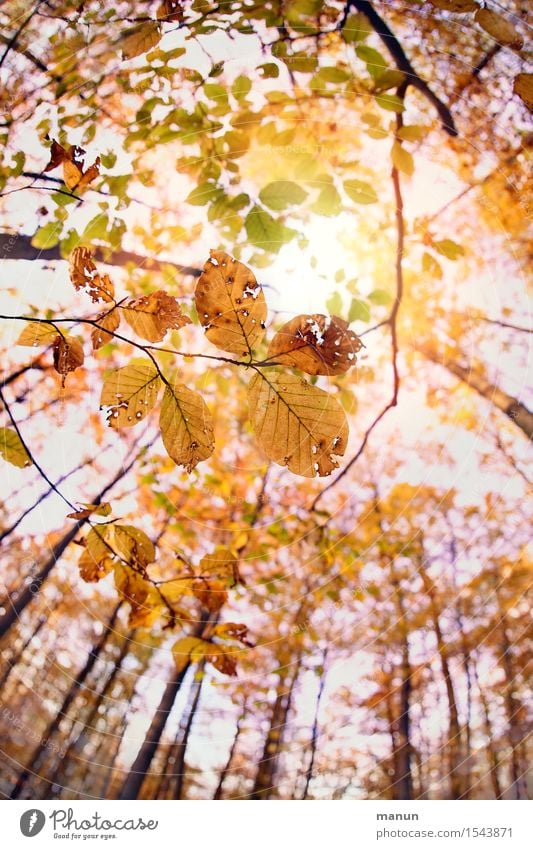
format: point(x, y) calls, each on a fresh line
point(297, 425)
point(186, 426)
point(68, 355)
point(151, 316)
point(84, 275)
point(316, 344)
point(108, 322)
point(37, 333)
point(129, 394)
point(231, 305)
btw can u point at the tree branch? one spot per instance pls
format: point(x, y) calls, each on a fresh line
point(403, 64)
point(18, 246)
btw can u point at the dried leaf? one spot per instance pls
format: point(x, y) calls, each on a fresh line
point(84, 275)
point(232, 631)
point(458, 6)
point(96, 560)
point(130, 393)
point(170, 10)
point(87, 510)
point(317, 344)
point(12, 449)
point(499, 28)
point(186, 426)
point(230, 304)
point(297, 425)
point(523, 87)
point(72, 159)
point(68, 355)
point(37, 333)
point(139, 39)
point(150, 316)
point(211, 594)
point(109, 322)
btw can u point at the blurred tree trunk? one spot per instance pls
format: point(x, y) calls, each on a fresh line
point(76, 745)
point(314, 732)
point(492, 754)
point(73, 691)
point(13, 661)
point(14, 607)
point(266, 771)
point(517, 412)
point(233, 748)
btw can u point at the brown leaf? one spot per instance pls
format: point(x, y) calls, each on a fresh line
point(211, 594)
point(72, 159)
point(108, 321)
point(150, 316)
point(87, 510)
point(297, 425)
point(186, 426)
point(499, 28)
point(139, 39)
point(317, 344)
point(458, 6)
point(523, 87)
point(231, 305)
point(68, 355)
point(170, 10)
point(58, 155)
point(84, 275)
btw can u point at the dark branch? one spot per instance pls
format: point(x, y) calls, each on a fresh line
point(403, 64)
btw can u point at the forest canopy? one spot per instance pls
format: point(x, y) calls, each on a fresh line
point(265, 416)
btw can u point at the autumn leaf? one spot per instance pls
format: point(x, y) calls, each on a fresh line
point(170, 10)
point(73, 160)
point(231, 305)
point(131, 586)
point(133, 545)
point(84, 275)
point(130, 393)
point(458, 6)
point(151, 316)
point(232, 631)
point(402, 159)
point(139, 39)
point(211, 594)
point(68, 355)
point(37, 333)
point(186, 426)
point(96, 560)
point(193, 649)
point(87, 510)
point(297, 425)
point(316, 344)
point(523, 87)
point(499, 28)
point(108, 322)
point(12, 449)
point(222, 562)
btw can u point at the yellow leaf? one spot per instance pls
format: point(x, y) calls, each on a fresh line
point(139, 39)
point(96, 560)
point(189, 649)
point(150, 316)
point(317, 344)
point(402, 159)
point(130, 393)
point(499, 28)
point(186, 426)
point(133, 545)
point(297, 425)
point(12, 449)
point(36, 333)
point(132, 587)
point(108, 323)
point(230, 304)
point(221, 562)
point(84, 275)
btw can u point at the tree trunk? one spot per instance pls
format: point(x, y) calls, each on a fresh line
point(314, 732)
point(15, 607)
point(75, 688)
point(266, 772)
point(180, 750)
point(227, 768)
point(12, 662)
point(517, 412)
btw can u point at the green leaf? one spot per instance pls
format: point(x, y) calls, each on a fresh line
point(269, 70)
point(402, 159)
point(359, 191)
point(329, 201)
point(391, 78)
point(282, 193)
point(451, 250)
point(266, 232)
point(380, 297)
point(241, 86)
point(413, 132)
point(332, 74)
point(334, 304)
point(390, 102)
point(203, 193)
point(12, 449)
point(47, 237)
point(376, 64)
point(356, 28)
point(359, 311)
